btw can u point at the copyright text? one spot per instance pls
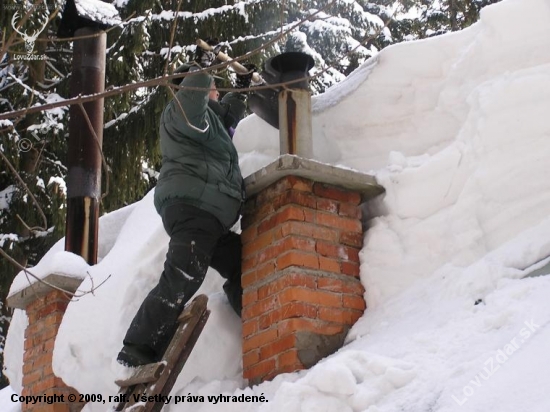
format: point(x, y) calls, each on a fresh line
point(51, 399)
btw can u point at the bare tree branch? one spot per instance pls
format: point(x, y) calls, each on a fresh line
point(67, 292)
point(18, 177)
point(172, 36)
point(96, 138)
point(11, 40)
point(163, 80)
point(185, 116)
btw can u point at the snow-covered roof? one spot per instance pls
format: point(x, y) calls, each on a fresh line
point(456, 129)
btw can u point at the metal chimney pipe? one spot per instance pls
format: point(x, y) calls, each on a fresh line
point(84, 158)
point(85, 126)
point(295, 130)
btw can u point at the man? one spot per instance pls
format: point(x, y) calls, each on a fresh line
point(199, 195)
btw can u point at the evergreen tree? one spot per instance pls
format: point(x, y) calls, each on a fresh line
point(340, 35)
point(34, 146)
point(428, 18)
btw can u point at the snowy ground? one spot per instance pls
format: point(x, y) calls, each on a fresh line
point(456, 128)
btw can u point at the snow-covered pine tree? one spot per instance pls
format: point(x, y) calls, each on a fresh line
point(157, 37)
point(418, 19)
point(340, 35)
point(34, 145)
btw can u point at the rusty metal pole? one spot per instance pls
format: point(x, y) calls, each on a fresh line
point(295, 130)
point(84, 160)
point(293, 101)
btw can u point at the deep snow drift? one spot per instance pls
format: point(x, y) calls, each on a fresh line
point(456, 129)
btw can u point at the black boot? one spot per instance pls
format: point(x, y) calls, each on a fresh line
point(234, 293)
point(135, 355)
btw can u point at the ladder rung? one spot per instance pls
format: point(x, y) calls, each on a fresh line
point(143, 374)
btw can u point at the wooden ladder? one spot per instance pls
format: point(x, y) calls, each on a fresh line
point(157, 379)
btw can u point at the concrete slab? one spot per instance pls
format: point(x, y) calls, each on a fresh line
point(25, 297)
point(291, 165)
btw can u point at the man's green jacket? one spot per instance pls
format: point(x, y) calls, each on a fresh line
point(200, 164)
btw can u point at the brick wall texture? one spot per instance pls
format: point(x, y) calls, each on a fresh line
point(301, 243)
point(45, 315)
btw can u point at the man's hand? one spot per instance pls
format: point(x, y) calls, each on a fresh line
point(205, 58)
point(243, 80)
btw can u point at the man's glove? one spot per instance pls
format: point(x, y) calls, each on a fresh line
point(205, 58)
point(243, 80)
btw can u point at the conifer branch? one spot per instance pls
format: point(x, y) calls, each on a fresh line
point(172, 36)
point(11, 40)
point(163, 80)
point(21, 181)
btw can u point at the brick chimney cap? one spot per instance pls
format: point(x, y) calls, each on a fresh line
point(25, 297)
point(291, 165)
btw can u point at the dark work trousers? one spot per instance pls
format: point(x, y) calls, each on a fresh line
point(197, 241)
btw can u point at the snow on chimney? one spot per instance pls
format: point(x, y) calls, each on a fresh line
point(45, 308)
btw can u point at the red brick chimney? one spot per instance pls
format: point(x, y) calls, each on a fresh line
point(301, 234)
point(45, 308)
